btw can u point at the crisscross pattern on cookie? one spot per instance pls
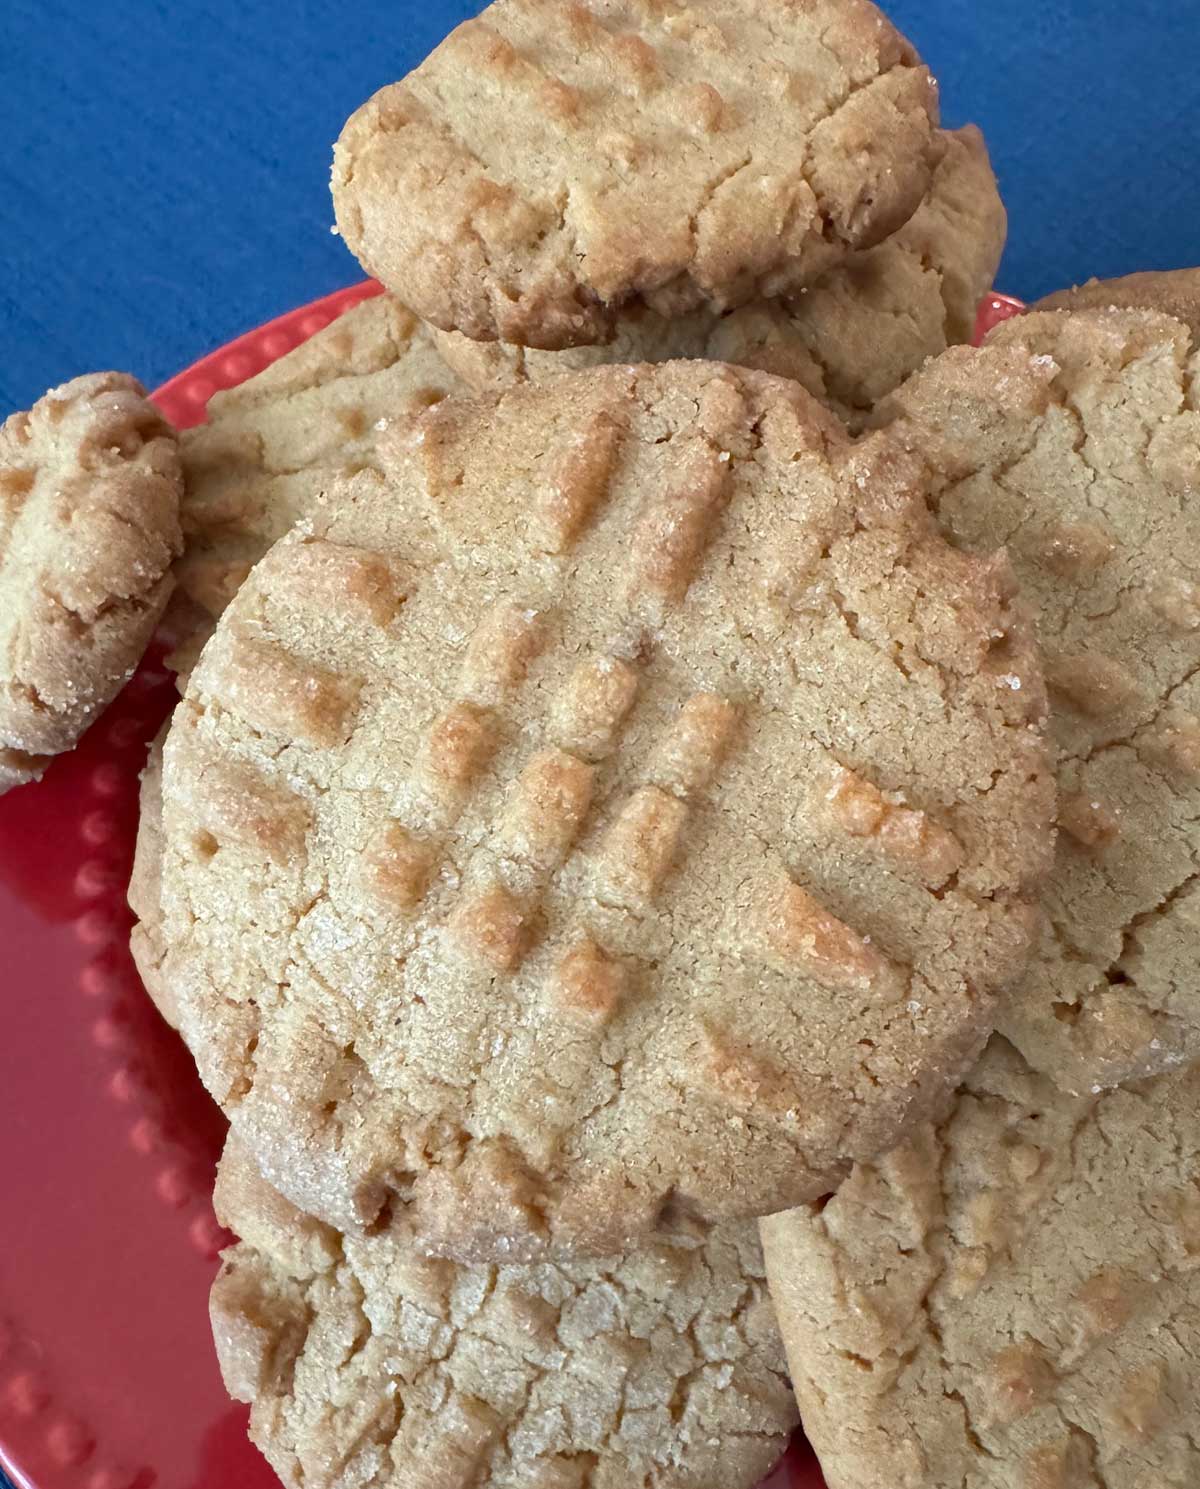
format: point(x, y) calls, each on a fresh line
point(850, 338)
point(1010, 1297)
point(644, 832)
point(549, 163)
point(272, 446)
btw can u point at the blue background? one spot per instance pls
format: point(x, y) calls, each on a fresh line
point(163, 185)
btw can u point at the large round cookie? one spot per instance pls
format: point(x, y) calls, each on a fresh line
point(1075, 440)
point(273, 444)
point(365, 1363)
point(850, 338)
point(89, 524)
point(1011, 1300)
point(626, 808)
point(551, 163)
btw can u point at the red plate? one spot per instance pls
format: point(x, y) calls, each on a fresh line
point(108, 1241)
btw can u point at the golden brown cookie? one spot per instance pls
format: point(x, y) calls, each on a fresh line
point(850, 338)
point(626, 806)
point(1075, 441)
point(272, 445)
point(1011, 1300)
point(89, 524)
point(366, 1363)
point(551, 164)
point(1174, 292)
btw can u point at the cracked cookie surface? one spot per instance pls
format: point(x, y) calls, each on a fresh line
point(552, 163)
point(367, 1364)
point(89, 524)
point(269, 449)
point(473, 758)
point(1011, 1299)
point(273, 444)
point(850, 338)
point(1074, 439)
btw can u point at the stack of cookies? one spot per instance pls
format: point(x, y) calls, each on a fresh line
point(671, 739)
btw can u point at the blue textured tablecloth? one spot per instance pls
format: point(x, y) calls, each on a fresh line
point(164, 177)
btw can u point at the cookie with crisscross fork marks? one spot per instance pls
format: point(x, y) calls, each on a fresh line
point(626, 806)
point(1011, 1299)
point(273, 444)
point(89, 524)
point(850, 338)
point(552, 162)
point(367, 1363)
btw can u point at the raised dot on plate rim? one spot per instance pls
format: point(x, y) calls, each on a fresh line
point(109, 1478)
point(69, 1442)
point(315, 321)
point(207, 1235)
point(173, 1185)
point(94, 878)
point(151, 679)
point(98, 828)
point(107, 779)
point(145, 1135)
point(122, 734)
point(106, 1032)
point(96, 979)
point(123, 1085)
point(95, 928)
point(276, 344)
point(27, 1395)
point(236, 368)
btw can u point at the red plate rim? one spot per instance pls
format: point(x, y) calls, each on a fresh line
point(108, 1126)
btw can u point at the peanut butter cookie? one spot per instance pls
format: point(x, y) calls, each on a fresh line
point(624, 807)
point(89, 524)
point(1010, 1300)
point(273, 444)
point(366, 1363)
point(1074, 439)
point(551, 164)
point(850, 338)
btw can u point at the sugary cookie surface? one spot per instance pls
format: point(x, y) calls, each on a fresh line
point(367, 1364)
point(89, 524)
point(1075, 441)
point(1011, 1300)
point(850, 338)
point(623, 808)
point(272, 445)
point(550, 163)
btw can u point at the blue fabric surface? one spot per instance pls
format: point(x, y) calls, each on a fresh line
point(164, 181)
